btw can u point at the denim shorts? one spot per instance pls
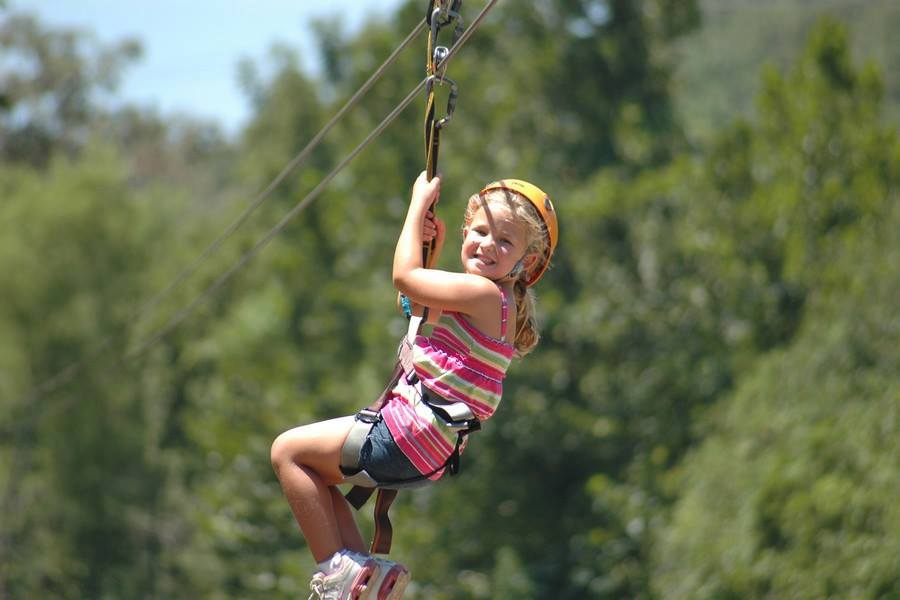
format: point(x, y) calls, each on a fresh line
point(383, 459)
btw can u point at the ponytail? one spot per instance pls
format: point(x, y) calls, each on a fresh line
point(527, 335)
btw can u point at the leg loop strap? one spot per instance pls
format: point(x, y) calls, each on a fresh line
point(362, 425)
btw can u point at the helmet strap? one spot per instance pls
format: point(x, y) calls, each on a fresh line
point(514, 273)
point(517, 269)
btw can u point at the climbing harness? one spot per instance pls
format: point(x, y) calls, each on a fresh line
point(457, 416)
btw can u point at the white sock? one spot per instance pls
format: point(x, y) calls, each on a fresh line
point(330, 565)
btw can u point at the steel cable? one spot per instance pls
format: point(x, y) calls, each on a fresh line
point(65, 374)
point(141, 348)
point(307, 200)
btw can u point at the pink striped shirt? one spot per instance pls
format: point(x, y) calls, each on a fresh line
point(459, 363)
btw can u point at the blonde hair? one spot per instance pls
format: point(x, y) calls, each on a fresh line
point(527, 335)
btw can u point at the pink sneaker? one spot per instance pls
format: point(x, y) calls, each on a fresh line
point(391, 580)
point(351, 581)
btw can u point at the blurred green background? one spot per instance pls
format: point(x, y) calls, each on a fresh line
point(713, 411)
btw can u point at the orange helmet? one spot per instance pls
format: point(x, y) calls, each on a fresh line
point(544, 207)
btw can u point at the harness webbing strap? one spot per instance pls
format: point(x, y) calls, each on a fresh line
point(384, 531)
point(432, 146)
point(359, 495)
point(363, 485)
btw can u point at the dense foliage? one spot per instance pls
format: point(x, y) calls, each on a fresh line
point(714, 408)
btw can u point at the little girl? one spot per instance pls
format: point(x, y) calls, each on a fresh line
point(482, 318)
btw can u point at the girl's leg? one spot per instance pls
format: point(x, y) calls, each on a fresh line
point(307, 462)
point(350, 535)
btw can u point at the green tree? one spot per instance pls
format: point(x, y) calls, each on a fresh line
point(790, 493)
point(51, 86)
point(82, 477)
point(683, 277)
point(92, 227)
point(717, 66)
point(793, 492)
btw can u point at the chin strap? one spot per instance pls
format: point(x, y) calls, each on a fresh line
point(517, 269)
point(514, 273)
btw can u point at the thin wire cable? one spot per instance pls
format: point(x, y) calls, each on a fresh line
point(291, 166)
point(279, 227)
point(65, 374)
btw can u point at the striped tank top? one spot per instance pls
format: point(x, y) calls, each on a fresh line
point(459, 363)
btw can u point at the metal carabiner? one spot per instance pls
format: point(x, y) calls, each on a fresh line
point(438, 59)
point(440, 53)
point(436, 22)
point(429, 12)
point(451, 99)
point(444, 8)
point(443, 16)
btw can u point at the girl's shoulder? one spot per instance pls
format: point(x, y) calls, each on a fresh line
point(495, 315)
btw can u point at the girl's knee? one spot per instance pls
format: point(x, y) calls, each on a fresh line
point(282, 451)
point(316, 446)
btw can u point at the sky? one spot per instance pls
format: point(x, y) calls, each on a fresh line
point(191, 48)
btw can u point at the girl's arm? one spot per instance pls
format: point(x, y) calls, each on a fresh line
point(433, 229)
point(459, 292)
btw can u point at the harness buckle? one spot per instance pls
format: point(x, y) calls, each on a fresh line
point(368, 415)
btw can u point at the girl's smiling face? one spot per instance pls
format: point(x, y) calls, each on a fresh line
point(493, 242)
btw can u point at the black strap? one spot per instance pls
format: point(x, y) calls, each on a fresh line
point(382, 398)
point(358, 496)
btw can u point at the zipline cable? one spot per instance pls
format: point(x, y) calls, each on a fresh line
point(292, 165)
point(278, 228)
point(307, 200)
point(65, 374)
point(70, 371)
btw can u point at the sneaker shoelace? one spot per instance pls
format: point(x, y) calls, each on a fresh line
point(317, 585)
